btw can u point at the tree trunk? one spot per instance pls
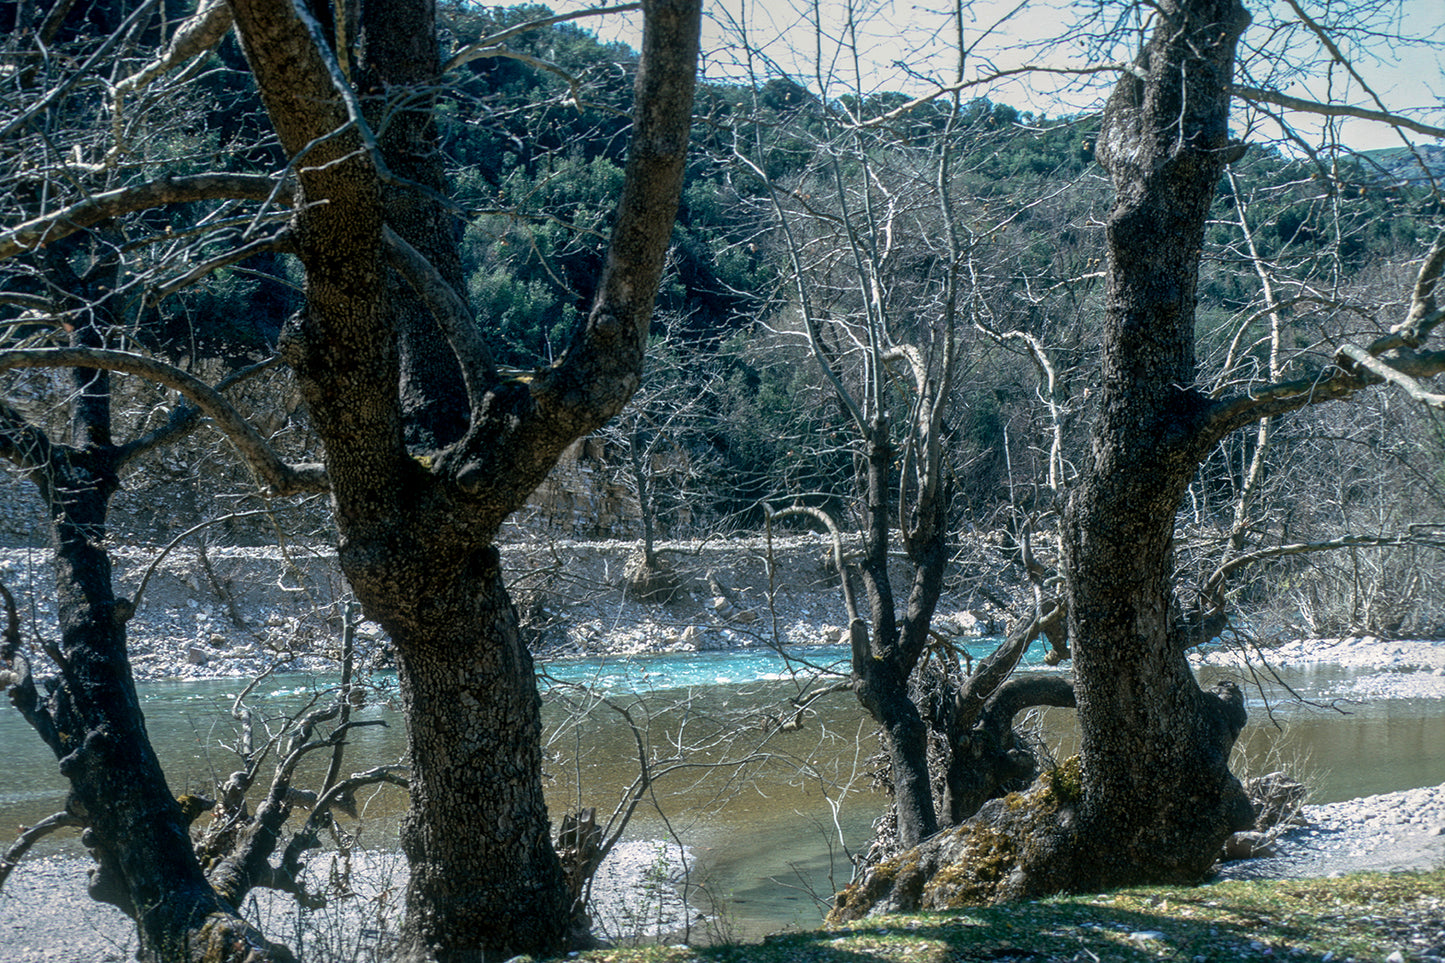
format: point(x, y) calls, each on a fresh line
point(136, 831)
point(881, 667)
point(485, 880)
point(1158, 797)
point(416, 534)
point(92, 719)
point(398, 52)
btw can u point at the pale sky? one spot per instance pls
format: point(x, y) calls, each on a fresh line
point(1408, 77)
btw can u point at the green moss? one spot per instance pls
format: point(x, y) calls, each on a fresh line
point(1066, 781)
point(988, 858)
point(890, 869)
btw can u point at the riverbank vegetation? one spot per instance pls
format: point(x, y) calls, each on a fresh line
point(1360, 917)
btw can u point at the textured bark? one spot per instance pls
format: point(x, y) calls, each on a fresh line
point(136, 831)
point(1158, 797)
point(416, 537)
point(883, 663)
point(484, 873)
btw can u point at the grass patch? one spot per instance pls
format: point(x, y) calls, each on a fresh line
point(1362, 917)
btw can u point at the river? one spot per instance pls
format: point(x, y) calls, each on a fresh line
point(768, 813)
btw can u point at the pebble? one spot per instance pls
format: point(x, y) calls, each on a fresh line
point(1389, 832)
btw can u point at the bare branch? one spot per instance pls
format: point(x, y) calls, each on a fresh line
point(831, 524)
point(1417, 534)
point(101, 55)
point(805, 300)
point(276, 476)
point(21, 443)
point(339, 796)
point(1393, 375)
point(486, 46)
point(1396, 351)
point(1422, 298)
point(125, 610)
point(280, 242)
point(1327, 385)
point(984, 681)
point(1261, 95)
point(201, 33)
point(30, 835)
point(48, 228)
point(206, 27)
point(30, 302)
point(883, 120)
point(185, 417)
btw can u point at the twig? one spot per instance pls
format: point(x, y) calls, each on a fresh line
point(29, 836)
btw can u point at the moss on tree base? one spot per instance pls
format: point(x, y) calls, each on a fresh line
point(983, 861)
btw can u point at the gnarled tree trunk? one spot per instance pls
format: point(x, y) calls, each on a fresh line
point(416, 534)
point(1158, 797)
point(91, 716)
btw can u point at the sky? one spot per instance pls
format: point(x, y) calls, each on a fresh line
point(909, 45)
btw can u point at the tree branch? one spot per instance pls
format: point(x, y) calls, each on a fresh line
point(983, 682)
point(1393, 375)
point(1259, 94)
point(30, 835)
point(1393, 357)
point(101, 55)
point(487, 45)
point(199, 34)
point(48, 228)
point(205, 28)
point(275, 475)
point(825, 519)
point(522, 427)
point(339, 796)
point(282, 241)
point(185, 417)
point(452, 313)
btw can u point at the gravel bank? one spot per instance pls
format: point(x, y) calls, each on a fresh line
point(237, 612)
point(1394, 832)
point(46, 915)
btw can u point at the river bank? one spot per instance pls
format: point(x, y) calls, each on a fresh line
point(46, 916)
point(236, 612)
point(576, 604)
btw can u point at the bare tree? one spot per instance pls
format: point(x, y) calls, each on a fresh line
point(887, 270)
point(1153, 798)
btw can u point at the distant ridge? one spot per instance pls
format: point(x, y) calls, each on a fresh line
point(1402, 165)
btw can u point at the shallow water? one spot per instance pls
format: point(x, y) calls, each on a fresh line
point(769, 814)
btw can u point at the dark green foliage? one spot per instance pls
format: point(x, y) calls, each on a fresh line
point(535, 162)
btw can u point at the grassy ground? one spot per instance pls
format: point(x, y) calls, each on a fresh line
point(1364, 917)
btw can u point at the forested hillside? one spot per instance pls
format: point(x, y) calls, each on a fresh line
point(1302, 255)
